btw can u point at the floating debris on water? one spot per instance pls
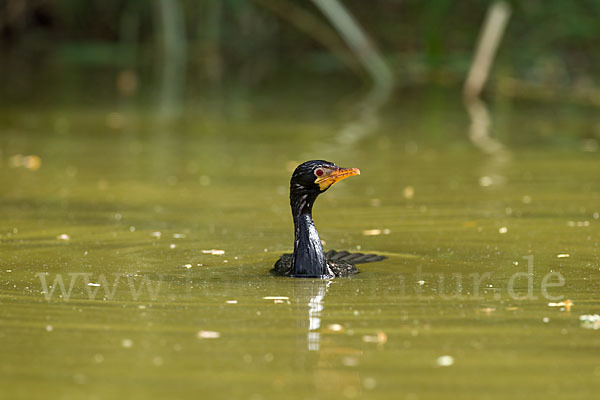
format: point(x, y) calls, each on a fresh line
point(590, 321)
point(487, 310)
point(31, 162)
point(503, 230)
point(208, 335)
point(578, 224)
point(381, 338)
point(49, 328)
point(127, 343)
point(156, 234)
point(372, 232)
point(545, 320)
point(369, 339)
point(408, 192)
point(231, 301)
point(445, 361)
point(64, 236)
point(563, 255)
point(132, 228)
point(186, 266)
point(179, 235)
point(278, 299)
point(214, 252)
point(526, 199)
point(566, 305)
point(512, 308)
point(335, 328)
point(421, 282)
point(93, 284)
point(350, 361)
point(486, 181)
point(376, 232)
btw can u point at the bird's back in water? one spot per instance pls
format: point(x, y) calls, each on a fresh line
point(339, 263)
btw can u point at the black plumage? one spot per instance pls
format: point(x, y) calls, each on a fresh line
point(308, 259)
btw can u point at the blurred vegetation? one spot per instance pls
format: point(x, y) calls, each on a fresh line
point(552, 43)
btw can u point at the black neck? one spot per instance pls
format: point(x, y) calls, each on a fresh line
point(308, 259)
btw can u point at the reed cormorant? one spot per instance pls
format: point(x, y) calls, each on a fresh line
point(309, 180)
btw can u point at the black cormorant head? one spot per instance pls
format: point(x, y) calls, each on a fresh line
point(313, 178)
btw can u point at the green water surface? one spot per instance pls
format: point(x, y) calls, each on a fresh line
point(122, 207)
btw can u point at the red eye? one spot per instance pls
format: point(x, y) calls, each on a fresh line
point(319, 172)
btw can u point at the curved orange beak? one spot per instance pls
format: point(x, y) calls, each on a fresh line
point(336, 175)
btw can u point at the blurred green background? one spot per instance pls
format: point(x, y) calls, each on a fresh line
point(121, 46)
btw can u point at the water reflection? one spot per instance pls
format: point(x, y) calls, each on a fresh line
point(170, 14)
point(492, 171)
point(323, 357)
point(480, 129)
point(311, 294)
